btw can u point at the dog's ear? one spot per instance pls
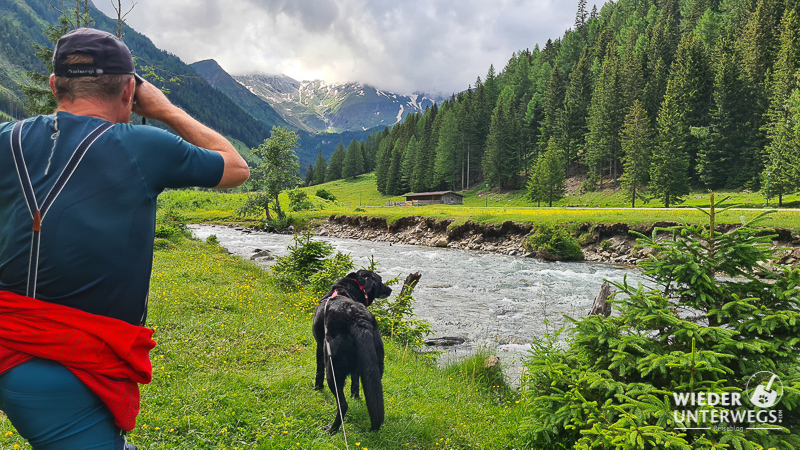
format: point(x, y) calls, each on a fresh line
point(368, 287)
point(364, 278)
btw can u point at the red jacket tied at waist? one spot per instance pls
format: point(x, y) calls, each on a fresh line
point(109, 356)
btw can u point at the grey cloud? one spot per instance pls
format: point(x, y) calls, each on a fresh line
point(314, 15)
point(437, 46)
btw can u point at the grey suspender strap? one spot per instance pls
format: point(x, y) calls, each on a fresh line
point(38, 212)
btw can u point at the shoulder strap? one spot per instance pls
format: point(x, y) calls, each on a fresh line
point(38, 213)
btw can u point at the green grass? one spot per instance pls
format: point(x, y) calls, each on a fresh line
point(481, 206)
point(360, 196)
point(234, 369)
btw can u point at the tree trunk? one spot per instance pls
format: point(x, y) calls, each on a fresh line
point(278, 211)
point(601, 305)
point(410, 284)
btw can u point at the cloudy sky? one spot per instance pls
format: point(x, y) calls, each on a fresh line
point(406, 46)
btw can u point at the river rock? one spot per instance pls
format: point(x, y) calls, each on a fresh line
point(447, 341)
point(508, 239)
point(492, 362)
point(262, 255)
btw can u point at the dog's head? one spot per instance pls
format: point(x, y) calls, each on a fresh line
point(372, 284)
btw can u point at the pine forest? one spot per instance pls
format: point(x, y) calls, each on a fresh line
point(654, 97)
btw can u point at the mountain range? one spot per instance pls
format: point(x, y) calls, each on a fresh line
point(316, 106)
point(243, 107)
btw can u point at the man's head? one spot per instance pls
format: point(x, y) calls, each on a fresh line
point(89, 63)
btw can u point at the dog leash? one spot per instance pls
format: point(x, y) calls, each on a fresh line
point(333, 372)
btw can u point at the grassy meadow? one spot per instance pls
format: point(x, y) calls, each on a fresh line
point(360, 196)
point(234, 369)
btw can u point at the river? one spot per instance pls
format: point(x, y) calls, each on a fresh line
point(499, 303)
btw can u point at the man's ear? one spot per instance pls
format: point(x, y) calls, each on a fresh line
point(129, 92)
point(53, 84)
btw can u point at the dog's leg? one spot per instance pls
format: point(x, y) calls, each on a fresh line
point(337, 388)
point(320, 376)
point(354, 385)
point(370, 368)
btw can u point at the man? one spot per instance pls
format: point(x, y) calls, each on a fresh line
point(77, 216)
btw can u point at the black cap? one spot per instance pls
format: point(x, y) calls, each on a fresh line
point(111, 55)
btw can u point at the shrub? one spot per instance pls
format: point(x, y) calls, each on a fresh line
point(309, 260)
point(554, 243)
point(331, 271)
point(712, 323)
point(322, 193)
point(298, 200)
point(171, 225)
point(396, 318)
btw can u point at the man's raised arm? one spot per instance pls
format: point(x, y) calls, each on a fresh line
point(153, 104)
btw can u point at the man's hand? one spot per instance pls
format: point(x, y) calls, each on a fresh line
point(151, 103)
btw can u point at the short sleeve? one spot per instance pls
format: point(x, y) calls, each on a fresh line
point(167, 161)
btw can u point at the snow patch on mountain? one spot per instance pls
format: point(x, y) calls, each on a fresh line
point(320, 106)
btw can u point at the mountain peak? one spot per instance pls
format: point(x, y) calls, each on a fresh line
point(326, 107)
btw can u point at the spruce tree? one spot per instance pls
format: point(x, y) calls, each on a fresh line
point(692, 88)
point(670, 164)
point(663, 38)
point(499, 162)
point(407, 165)
point(371, 150)
point(384, 162)
point(759, 43)
point(581, 16)
point(320, 169)
point(781, 153)
point(309, 175)
point(422, 178)
point(552, 103)
point(730, 160)
point(606, 114)
point(548, 182)
point(448, 157)
point(334, 170)
point(362, 146)
point(637, 141)
point(467, 133)
point(353, 164)
point(705, 322)
point(633, 73)
point(572, 126)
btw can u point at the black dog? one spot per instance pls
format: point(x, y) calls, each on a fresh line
point(348, 339)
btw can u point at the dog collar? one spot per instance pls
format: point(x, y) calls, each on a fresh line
point(366, 297)
point(364, 291)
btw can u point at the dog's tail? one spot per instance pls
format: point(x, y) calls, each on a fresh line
point(370, 369)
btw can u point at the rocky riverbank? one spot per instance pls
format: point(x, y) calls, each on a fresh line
point(603, 242)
